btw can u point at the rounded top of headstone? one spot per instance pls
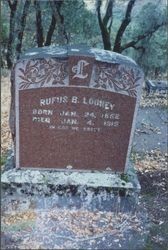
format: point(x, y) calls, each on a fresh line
point(47, 51)
point(79, 65)
point(77, 50)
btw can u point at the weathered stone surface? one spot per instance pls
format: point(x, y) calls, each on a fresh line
point(95, 179)
point(90, 179)
point(75, 109)
point(95, 190)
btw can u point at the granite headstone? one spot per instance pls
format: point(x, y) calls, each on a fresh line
point(74, 108)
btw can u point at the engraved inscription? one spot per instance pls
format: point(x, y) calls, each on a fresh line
point(66, 119)
point(53, 100)
point(41, 119)
point(68, 113)
point(79, 124)
point(69, 121)
point(79, 69)
point(42, 112)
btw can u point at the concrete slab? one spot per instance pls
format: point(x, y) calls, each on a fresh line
point(92, 179)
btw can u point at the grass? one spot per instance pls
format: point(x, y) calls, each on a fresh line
point(19, 226)
point(5, 72)
point(134, 156)
point(124, 177)
point(157, 231)
point(3, 159)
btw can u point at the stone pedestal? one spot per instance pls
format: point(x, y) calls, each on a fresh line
point(94, 190)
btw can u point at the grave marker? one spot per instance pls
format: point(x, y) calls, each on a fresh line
point(75, 109)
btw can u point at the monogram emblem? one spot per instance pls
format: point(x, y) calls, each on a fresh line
point(79, 68)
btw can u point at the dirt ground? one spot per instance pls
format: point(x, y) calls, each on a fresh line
point(5, 106)
point(151, 166)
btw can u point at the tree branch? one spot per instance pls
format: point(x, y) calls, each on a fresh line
point(50, 31)
point(99, 2)
point(56, 7)
point(143, 36)
point(39, 27)
point(123, 26)
point(62, 23)
point(82, 5)
point(12, 5)
point(22, 27)
point(105, 32)
point(108, 14)
point(11, 38)
point(139, 48)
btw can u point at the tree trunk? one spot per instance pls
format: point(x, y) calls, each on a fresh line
point(148, 33)
point(103, 23)
point(56, 8)
point(106, 40)
point(39, 27)
point(9, 55)
point(63, 30)
point(157, 73)
point(123, 26)
point(22, 27)
point(50, 31)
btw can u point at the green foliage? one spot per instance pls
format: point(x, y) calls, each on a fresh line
point(3, 159)
point(19, 226)
point(4, 22)
point(4, 34)
point(154, 58)
point(81, 26)
point(124, 177)
point(80, 23)
point(151, 55)
point(157, 231)
point(4, 31)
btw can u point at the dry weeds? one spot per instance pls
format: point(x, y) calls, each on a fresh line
point(5, 107)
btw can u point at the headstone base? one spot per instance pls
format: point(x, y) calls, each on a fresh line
point(110, 191)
